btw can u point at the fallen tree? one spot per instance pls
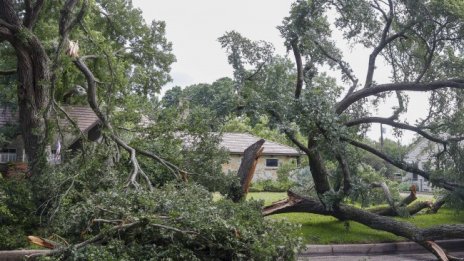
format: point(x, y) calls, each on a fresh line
point(333, 116)
point(423, 236)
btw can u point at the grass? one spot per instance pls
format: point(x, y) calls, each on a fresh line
point(318, 229)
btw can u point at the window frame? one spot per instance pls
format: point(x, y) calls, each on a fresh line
point(272, 166)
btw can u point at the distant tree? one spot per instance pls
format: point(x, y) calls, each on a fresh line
point(219, 97)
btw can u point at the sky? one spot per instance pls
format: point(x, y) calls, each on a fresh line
point(193, 27)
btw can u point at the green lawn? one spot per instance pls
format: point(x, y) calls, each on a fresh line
point(317, 229)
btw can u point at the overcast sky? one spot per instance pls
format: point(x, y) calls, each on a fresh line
point(194, 26)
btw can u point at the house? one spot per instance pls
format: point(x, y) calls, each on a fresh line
point(420, 152)
point(273, 155)
point(84, 117)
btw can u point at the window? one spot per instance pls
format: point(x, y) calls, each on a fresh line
point(7, 155)
point(272, 163)
point(414, 177)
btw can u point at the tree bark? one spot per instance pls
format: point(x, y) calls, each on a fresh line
point(247, 170)
point(33, 81)
point(438, 204)
point(422, 236)
point(410, 209)
point(392, 209)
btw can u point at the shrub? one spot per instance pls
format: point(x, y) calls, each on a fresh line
point(17, 213)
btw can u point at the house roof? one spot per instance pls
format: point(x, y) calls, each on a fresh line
point(236, 143)
point(84, 117)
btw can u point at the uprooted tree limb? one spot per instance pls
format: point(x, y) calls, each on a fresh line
point(438, 203)
point(422, 236)
point(402, 208)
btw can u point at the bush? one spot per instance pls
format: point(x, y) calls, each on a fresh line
point(176, 222)
point(282, 184)
point(404, 187)
point(17, 213)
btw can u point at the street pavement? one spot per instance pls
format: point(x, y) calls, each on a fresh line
point(397, 251)
point(378, 257)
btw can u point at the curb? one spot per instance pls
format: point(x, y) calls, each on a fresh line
point(379, 248)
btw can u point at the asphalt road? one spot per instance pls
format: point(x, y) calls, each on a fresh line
point(381, 257)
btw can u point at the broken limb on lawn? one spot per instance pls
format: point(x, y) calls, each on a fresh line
point(404, 207)
point(422, 236)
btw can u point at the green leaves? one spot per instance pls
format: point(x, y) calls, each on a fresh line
point(243, 54)
point(179, 221)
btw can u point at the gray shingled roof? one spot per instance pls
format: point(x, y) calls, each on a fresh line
point(84, 116)
point(236, 143)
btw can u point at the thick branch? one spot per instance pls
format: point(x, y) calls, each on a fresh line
point(32, 13)
point(382, 44)
point(247, 169)
point(346, 173)
point(296, 203)
point(66, 21)
point(291, 135)
point(389, 121)
point(405, 166)
point(386, 192)
point(299, 68)
point(8, 15)
point(5, 34)
point(439, 203)
point(13, 28)
point(417, 87)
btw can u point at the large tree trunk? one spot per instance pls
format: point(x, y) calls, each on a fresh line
point(33, 79)
point(33, 98)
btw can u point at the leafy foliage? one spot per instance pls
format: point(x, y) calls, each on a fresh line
point(178, 222)
point(17, 213)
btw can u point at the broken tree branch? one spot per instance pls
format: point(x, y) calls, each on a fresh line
point(439, 203)
point(406, 166)
point(297, 203)
point(247, 169)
